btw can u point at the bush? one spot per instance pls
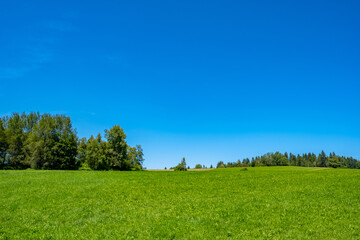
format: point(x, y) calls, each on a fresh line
point(85, 167)
point(180, 167)
point(198, 166)
point(220, 165)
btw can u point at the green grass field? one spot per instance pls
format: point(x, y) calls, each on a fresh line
point(261, 203)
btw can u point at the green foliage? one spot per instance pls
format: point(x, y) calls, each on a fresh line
point(305, 160)
point(95, 154)
point(246, 162)
point(220, 165)
point(181, 166)
point(118, 148)
point(113, 154)
point(85, 167)
point(81, 153)
point(333, 162)
point(322, 159)
point(197, 166)
point(16, 155)
point(53, 143)
point(50, 142)
point(136, 157)
point(3, 143)
point(261, 203)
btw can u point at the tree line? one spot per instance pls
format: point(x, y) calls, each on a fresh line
point(45, 141)
point(304, 160)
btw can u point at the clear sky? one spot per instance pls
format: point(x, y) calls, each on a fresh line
point(207, 80)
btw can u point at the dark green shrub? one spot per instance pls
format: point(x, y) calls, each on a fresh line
point(198, 166)
point(181, 166)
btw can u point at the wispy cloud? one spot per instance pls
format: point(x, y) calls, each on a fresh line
point(30, 60)
point(60, 26)
point(37, 48)
point(14, 72)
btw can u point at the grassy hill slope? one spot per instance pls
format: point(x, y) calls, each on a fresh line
point(268, 202)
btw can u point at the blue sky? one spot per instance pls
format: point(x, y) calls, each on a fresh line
point(207, 80)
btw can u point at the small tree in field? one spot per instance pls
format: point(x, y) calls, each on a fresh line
point(220, 165)
point(198, 166)
point(181, 166)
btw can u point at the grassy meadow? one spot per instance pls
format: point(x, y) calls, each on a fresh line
point(261, 203)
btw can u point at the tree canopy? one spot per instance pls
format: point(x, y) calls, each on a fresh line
point(50, 142)
point(197, 166)
point(304, 160)
point(181, 166)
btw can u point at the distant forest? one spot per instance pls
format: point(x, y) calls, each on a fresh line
point(50, 142)
point(305, 160)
